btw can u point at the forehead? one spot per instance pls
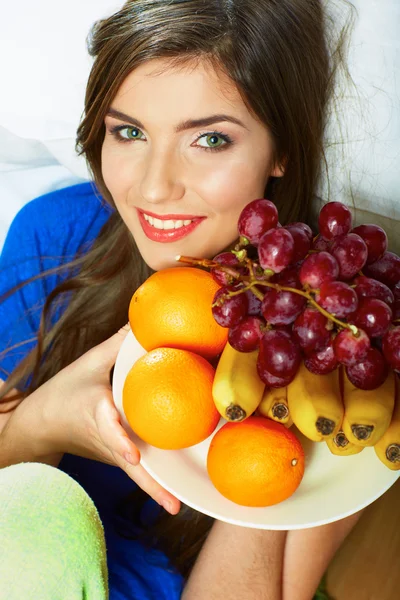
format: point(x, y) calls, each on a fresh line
point(196, 85)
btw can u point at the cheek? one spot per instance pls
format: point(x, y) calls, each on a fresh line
point(229, 189)
point(118, 172)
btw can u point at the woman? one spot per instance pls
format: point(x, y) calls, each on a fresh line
point(193, 109)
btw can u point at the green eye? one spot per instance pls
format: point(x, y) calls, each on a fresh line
point(211, 140)
point(214, 141)
point(132, 133)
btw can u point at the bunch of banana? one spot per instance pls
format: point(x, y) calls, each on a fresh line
point(367, 413)
point(340, 445)
point(237, 388)
point(274, 405)
point(315, 404)
point(323, 407)
point(388, 447)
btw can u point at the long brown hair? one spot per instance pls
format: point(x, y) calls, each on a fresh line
point(283, 57)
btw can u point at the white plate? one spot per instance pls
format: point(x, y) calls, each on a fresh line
point(333, 487)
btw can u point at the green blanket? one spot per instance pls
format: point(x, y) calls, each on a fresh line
point(51, 538)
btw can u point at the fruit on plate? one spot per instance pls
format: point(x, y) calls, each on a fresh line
point(237, 389)
point(286, 316)
point(367, 413)
point(167, 398)
point(388, 447)
point(326, 302)
point(255, 463)
point(340, 445)
point(315, 404)
point(274, 405)
point(172, 308)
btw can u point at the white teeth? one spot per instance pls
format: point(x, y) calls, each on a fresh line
point(158, 224)
point(169, 224)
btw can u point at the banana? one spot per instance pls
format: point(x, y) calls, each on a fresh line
point(274, 405)
point(340, 445)
point(388, 447)
point(315, 404)
point(367, 413)
point(237, 388)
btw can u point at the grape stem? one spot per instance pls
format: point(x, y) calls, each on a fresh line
point(208, 264)
point(252, 282)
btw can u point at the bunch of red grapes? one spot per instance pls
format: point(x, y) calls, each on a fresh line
point(331, 299)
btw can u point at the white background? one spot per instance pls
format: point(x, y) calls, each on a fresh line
point(44, 67)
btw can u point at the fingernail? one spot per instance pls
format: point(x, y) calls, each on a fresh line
point(167, 505)
point(129, 458)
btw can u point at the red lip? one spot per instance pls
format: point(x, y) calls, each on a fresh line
point(168, 235)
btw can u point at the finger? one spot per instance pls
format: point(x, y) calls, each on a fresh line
point(146, 482)
point(102, 357)
point(112, 434)
point(127, 456)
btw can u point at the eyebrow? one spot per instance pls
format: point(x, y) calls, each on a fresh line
point(185, 125)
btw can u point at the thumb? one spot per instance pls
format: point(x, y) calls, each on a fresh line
point(105, 354)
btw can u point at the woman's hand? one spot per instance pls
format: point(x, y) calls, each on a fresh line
point(74, 412)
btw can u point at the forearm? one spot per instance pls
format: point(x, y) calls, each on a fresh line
point(308, 553)
point(237, 563)
point(24, 437)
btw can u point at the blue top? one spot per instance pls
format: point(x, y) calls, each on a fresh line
point(47, 232)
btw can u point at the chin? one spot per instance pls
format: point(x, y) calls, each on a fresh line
point(157, 264)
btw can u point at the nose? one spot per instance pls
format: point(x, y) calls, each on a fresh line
point(161, 178)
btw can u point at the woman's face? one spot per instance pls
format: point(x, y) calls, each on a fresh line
point(182, 156)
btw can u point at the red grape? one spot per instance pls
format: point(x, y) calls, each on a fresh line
point(275, 249)
point(281, 355)
point(318, 268)
point(228, 311)
point(306, 228)
point(338, 298)
point(334, 220)
point(321, 244)
point(271, 380)
point(349, 348)
point(386, 269)
point(396, 291)
point(351, 254)
point(254, 304)
point(371, 288)
point(228, 259)
point(312, 331)
point(246, 335)
point(322, 362)
point(256, 218)
point(370, 373)
point(301, 240)
point(373, 316)
point(281, 308)
point(375, 239)
point(391, 347)
point(396, 310)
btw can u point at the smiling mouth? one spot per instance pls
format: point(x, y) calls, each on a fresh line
point(169, 228)
point(169, 222)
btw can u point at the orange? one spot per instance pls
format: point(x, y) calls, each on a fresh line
point(167, 398)
point(172, 308)
point(255, 463)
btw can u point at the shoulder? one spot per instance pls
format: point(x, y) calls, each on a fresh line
point(79, 206)
point(60, 221)
point(46, 232)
